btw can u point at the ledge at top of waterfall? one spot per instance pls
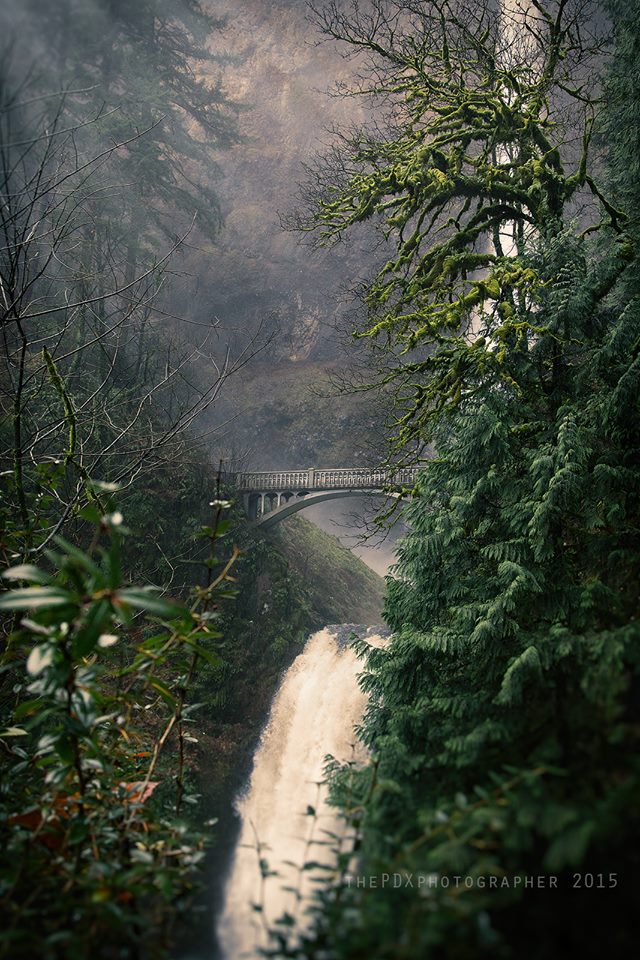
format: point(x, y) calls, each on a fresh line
point(343, 632)
point(290, 836)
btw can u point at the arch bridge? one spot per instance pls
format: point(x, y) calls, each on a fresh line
point(272, 495)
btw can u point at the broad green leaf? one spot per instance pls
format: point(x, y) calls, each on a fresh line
point(192, 709)
point(91, 513)
point(164, 692)
point(143, 598)
point(35, 598)
point(64, 749)
point(141, 856)
point(26, 571)
point(81, 558)
point(98, 615)
point(39, 658)
point(27, 708)
point(207, 655)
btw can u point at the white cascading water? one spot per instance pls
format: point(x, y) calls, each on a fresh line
point(313, 714)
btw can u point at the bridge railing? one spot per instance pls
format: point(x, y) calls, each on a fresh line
point(323, 479)
point(272, 480)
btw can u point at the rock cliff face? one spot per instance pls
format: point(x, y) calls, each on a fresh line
point(283, 415)
point(257, 272)
point(279, 412)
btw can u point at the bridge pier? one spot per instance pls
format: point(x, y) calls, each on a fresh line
point(252, 506)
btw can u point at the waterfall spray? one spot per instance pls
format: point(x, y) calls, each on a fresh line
point(286, 820)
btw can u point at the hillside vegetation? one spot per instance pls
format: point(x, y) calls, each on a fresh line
point(340, 587)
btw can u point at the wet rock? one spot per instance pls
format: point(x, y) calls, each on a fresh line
point(344, 632)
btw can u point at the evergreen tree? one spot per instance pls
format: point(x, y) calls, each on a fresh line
point(149, 68)
point(503, 713)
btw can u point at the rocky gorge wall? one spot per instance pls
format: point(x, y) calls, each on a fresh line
point(256, 272)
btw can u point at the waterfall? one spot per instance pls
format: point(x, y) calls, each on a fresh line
point(284, 810)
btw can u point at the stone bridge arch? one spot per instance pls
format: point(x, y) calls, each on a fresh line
point(272, 496)
point(295, 504)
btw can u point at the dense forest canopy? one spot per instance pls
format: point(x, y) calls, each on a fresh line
point(494, 171)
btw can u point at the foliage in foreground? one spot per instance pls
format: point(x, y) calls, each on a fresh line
point(98, 856)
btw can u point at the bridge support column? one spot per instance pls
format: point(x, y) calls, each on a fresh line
point(251, 504)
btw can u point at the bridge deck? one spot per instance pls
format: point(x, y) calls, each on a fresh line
point(344, 478)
